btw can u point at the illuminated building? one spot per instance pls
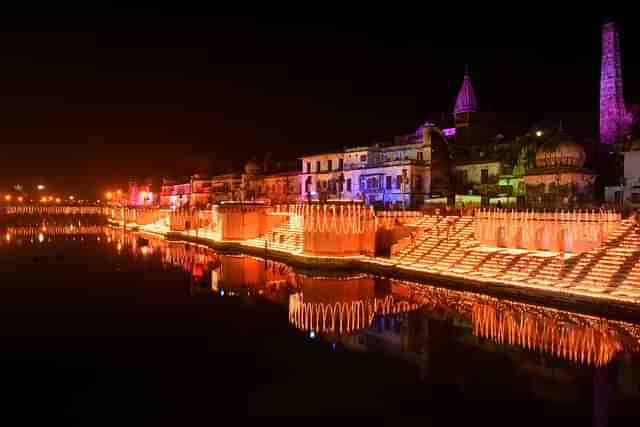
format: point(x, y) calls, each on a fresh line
point(397, 173)
point(141, 193)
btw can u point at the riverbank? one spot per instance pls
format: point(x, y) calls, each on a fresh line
point(601, 305)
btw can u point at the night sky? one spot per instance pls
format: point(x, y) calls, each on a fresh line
point(89, 101)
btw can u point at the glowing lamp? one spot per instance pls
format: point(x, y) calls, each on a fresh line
point(109, 195)
point(57, 199)
point(7, 197)
point(40, 187)
point(312, 334)
point(20, 198)
point(538, 133)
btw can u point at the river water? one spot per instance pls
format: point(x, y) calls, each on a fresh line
point(99, 325)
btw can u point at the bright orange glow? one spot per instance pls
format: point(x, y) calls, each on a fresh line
point(7, 237)
point(41, 187)
point(40, 237)
point(43, 200)
point(71, 197)
point(7, 197)
point(144, 194)
point(20, 198)
point(119, 192)
point(57, 199)
point(109, 195)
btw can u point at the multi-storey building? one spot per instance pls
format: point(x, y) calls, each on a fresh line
point(391, 174)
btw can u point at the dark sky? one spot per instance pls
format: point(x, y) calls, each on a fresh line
point(88, 101)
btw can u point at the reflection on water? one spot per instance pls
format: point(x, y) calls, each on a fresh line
point(361, 305)
point(441, 332)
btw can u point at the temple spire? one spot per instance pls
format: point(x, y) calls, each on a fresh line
point(466, 102)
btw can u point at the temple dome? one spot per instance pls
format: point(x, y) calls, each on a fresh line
point(252, 168)
point(563, 152)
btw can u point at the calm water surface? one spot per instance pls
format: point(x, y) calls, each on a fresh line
point(101, 326)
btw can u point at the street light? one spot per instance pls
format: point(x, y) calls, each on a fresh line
point(109, 195)
point(20, 199)
point(71, 197)
point(40, 187)
point(7, 197)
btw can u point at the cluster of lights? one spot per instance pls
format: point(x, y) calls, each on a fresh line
point(109, 195)
point(447, 246)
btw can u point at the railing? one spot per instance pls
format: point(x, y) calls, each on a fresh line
point(55, 210)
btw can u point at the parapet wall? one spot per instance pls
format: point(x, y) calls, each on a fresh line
point(332, 230)
point(573, 232)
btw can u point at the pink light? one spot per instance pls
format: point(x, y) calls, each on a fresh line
point(449, 131)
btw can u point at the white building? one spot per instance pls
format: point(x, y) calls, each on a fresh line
point(396, 174)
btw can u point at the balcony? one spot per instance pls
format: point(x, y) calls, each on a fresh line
point(387, 163)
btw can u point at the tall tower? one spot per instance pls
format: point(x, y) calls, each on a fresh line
point(612, 108)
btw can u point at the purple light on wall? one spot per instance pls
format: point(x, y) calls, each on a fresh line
point(612, 108)
point(449, 132)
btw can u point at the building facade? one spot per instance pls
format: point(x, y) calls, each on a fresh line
point(396, 174)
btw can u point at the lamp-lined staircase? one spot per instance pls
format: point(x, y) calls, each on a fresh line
point(447, 245)
point(288, 237)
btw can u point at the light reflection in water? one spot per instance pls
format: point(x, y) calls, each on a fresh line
point(348, 306)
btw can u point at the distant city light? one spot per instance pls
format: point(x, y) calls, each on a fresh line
point(7, 197)
point(40, 187)
point(538, 133)
point(118, 192)
point(40, 237)
point(57, 199)
point(71, 197)
point(312, 334)
point(109, 195)
point(44, 199)
point(221, 292)
point(20, 198)
point(7, 237)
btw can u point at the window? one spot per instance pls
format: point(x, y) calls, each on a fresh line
point(398, 155)
point(340, 164)
point(349, 185)
point(418, 183)
point(398, 181)
point(420, 155)
point(484, 176)
point(388, 182)
point(308, 167)
point(363, 158)
point(318, 166)
point(329, 164)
